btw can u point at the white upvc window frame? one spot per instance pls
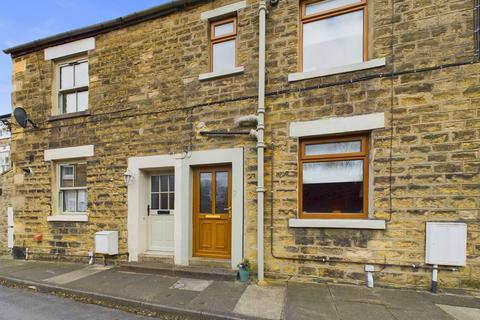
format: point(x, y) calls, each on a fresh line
point(59, 189)
point(5, 132)
point(5, 161)
point(60, 93)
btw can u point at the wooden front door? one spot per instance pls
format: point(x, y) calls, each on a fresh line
point(212, 213)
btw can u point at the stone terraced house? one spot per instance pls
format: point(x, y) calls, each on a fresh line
point(314, 138)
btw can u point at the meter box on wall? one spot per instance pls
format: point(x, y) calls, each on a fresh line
point(106, 242)
point(446, 243)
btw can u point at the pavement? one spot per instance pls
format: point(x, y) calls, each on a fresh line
point(175, 297)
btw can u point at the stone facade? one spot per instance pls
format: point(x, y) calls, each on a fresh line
point(146, 99)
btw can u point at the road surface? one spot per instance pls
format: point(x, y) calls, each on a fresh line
point(21, 304)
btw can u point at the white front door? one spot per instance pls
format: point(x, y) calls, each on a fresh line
point(161, 211)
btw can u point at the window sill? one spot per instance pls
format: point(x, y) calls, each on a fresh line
point(68, 218)
point(69, 115)
point(292, 77)
point(215, 75)
point(338, 223)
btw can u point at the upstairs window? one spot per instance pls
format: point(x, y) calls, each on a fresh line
point(223, 45)
point(72, 186)
point(333, 34)
point(4, 158)
point(73, 86)
point(334, 177)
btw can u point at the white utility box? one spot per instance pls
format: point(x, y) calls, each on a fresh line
point(446, 244)
point(106, 242)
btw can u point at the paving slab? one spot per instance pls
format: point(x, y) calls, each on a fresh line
point(262, 302)
point(220, 295)
point(37, 271)
point(350, 310)
point(353, 293)
point(75, 275)
point(461, 313)
point(453, 300)
point(404, 299)
point(307, 301)
point(191, 284)
point(126, 285)
point(430, 314)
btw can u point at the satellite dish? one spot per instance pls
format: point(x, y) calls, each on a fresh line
point(22, 118)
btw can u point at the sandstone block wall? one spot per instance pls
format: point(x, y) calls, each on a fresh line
point(146, 99)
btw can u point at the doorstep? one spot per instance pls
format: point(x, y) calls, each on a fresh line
point(194, 272)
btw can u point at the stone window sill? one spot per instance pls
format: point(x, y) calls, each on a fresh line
point(215, 75)
point(292, 77)
point(68, 218)
point(69, 115)
point(338, 223)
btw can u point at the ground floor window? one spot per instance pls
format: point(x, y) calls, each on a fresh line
point(334, 177)
point(72, 187)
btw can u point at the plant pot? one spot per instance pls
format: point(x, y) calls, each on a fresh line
point(244, 274)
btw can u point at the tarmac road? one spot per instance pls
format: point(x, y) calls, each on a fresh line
point(20, 304)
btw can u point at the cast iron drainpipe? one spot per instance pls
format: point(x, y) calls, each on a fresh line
point(262, 12)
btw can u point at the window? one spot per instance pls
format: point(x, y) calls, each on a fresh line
point(73, 86)
point(4, 159)
point(4, 130)
point(162, 192)
point(72, 186)
point(333, 33)
point(334, 177)
point(223, 45)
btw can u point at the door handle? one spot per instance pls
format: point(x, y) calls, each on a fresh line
point(148, 210)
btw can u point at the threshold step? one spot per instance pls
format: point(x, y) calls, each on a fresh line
point(195, 272)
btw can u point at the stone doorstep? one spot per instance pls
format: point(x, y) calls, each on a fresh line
point(194, 272)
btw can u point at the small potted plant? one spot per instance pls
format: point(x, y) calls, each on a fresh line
point(244, 270)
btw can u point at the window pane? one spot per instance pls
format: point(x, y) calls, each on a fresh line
point(333, 148)
point(171, 180)
point(154, 201)
point(69, 201)
point(164, 201)
point(223, 29)
point(221, 192)
point(67, 176)
point(326, 5)
point(66, 77)
point(206, 192)
point(333, 42)
point(154, 184)
point(82, 103)
point(333, 187)
point(82, 201)
point(81, 175)
point(172, 201)
point(70, 103)
point(81, 74)
point(163, 183)
point(224, 56)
